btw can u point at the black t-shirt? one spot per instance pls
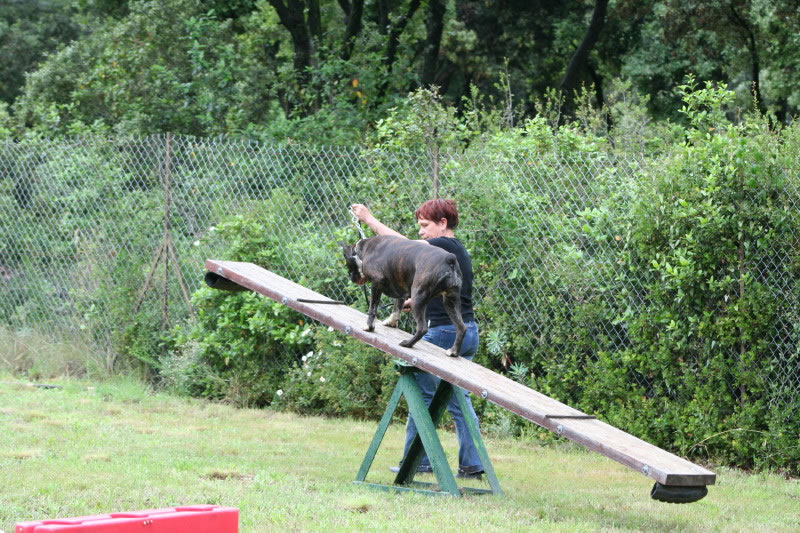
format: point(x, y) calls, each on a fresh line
point(435, 312)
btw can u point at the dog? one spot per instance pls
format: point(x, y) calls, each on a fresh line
point(401, 268)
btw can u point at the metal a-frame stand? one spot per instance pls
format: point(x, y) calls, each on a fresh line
point(427, 441)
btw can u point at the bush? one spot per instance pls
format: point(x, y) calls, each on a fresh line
point(341, 377)
point(239, 345)
point(712, 238)
point(238, 348)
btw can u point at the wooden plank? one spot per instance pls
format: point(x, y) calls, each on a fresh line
point(655, 463)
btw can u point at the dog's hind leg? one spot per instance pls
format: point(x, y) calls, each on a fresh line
point(418, 305)
point(391, 321)
point(452, 306)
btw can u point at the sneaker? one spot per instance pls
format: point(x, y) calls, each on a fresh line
point(470, 472)
point(422, 469)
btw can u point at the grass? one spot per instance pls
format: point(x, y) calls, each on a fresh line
point(85, 448)
point(44, 356)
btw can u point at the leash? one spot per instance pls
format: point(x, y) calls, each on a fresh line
point(357, 224)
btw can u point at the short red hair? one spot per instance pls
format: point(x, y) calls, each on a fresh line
point(436, 210)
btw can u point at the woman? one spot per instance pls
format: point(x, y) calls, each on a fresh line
point(437, 219)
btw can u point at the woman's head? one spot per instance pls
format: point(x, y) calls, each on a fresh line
point(437, 218)
point(438, 209)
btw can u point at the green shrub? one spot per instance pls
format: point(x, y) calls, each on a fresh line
point(655, 305)
point(340, 376)
point(239, 345)
point(712, 238)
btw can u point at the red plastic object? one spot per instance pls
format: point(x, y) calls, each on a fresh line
point(185, 519)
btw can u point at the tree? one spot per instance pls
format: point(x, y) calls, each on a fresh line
point(728, 41)
point(579, 60)
point(392, 31)
point(301, 18)
point(434, 25)
point(29, 29)
point(164, 67)
point(282, 67)
point(739, 20)
point(353, 13)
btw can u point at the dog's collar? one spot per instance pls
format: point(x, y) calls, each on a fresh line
point(358, 260)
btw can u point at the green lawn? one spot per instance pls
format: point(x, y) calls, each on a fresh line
point(96, 448)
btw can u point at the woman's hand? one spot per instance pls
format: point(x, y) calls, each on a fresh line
point(361, 212)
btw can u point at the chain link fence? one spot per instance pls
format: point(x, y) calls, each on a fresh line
point(96, 230)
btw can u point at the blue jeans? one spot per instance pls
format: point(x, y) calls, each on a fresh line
point(444, 336)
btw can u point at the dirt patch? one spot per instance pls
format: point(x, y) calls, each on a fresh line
point(228, 475)
point(23, 455)
point(364, 508)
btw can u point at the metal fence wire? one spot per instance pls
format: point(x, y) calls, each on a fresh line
point(94, 230)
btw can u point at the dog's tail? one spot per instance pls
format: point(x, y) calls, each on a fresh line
point(454, 277)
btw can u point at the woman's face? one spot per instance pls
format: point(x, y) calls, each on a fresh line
point(428, 229)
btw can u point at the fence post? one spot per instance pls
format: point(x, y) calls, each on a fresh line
point(435, 169)
point(166, 248)
point(166, 183)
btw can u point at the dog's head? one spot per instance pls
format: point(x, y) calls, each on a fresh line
point(353, 263)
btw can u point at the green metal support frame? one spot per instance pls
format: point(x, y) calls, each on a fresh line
point(427, 442)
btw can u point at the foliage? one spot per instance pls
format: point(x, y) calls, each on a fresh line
point(329, 71)
point(5, 122)
point(714, 236)
point(30, 30)
point(186, 69)
point(420, 121)
point(239, 347)
point(339, 377)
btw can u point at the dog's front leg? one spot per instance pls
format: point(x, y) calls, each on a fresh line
point(374, 300)
point(391, 321)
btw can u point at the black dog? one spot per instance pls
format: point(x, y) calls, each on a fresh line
point(401, 269)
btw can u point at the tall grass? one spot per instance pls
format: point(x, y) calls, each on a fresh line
point(87, 448)
point(45, 356)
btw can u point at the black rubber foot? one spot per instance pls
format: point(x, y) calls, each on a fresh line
point(676, 494)
point(215, 281)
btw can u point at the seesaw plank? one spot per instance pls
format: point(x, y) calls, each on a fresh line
point(655, 463)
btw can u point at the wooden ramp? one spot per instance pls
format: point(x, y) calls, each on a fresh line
point(668, 470)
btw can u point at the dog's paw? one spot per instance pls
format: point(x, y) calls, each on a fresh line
point(450, 352)
point(406, 343)
point(369, 328)
point(390, 322)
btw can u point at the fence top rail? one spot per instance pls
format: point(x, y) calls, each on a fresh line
point(658, 464)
